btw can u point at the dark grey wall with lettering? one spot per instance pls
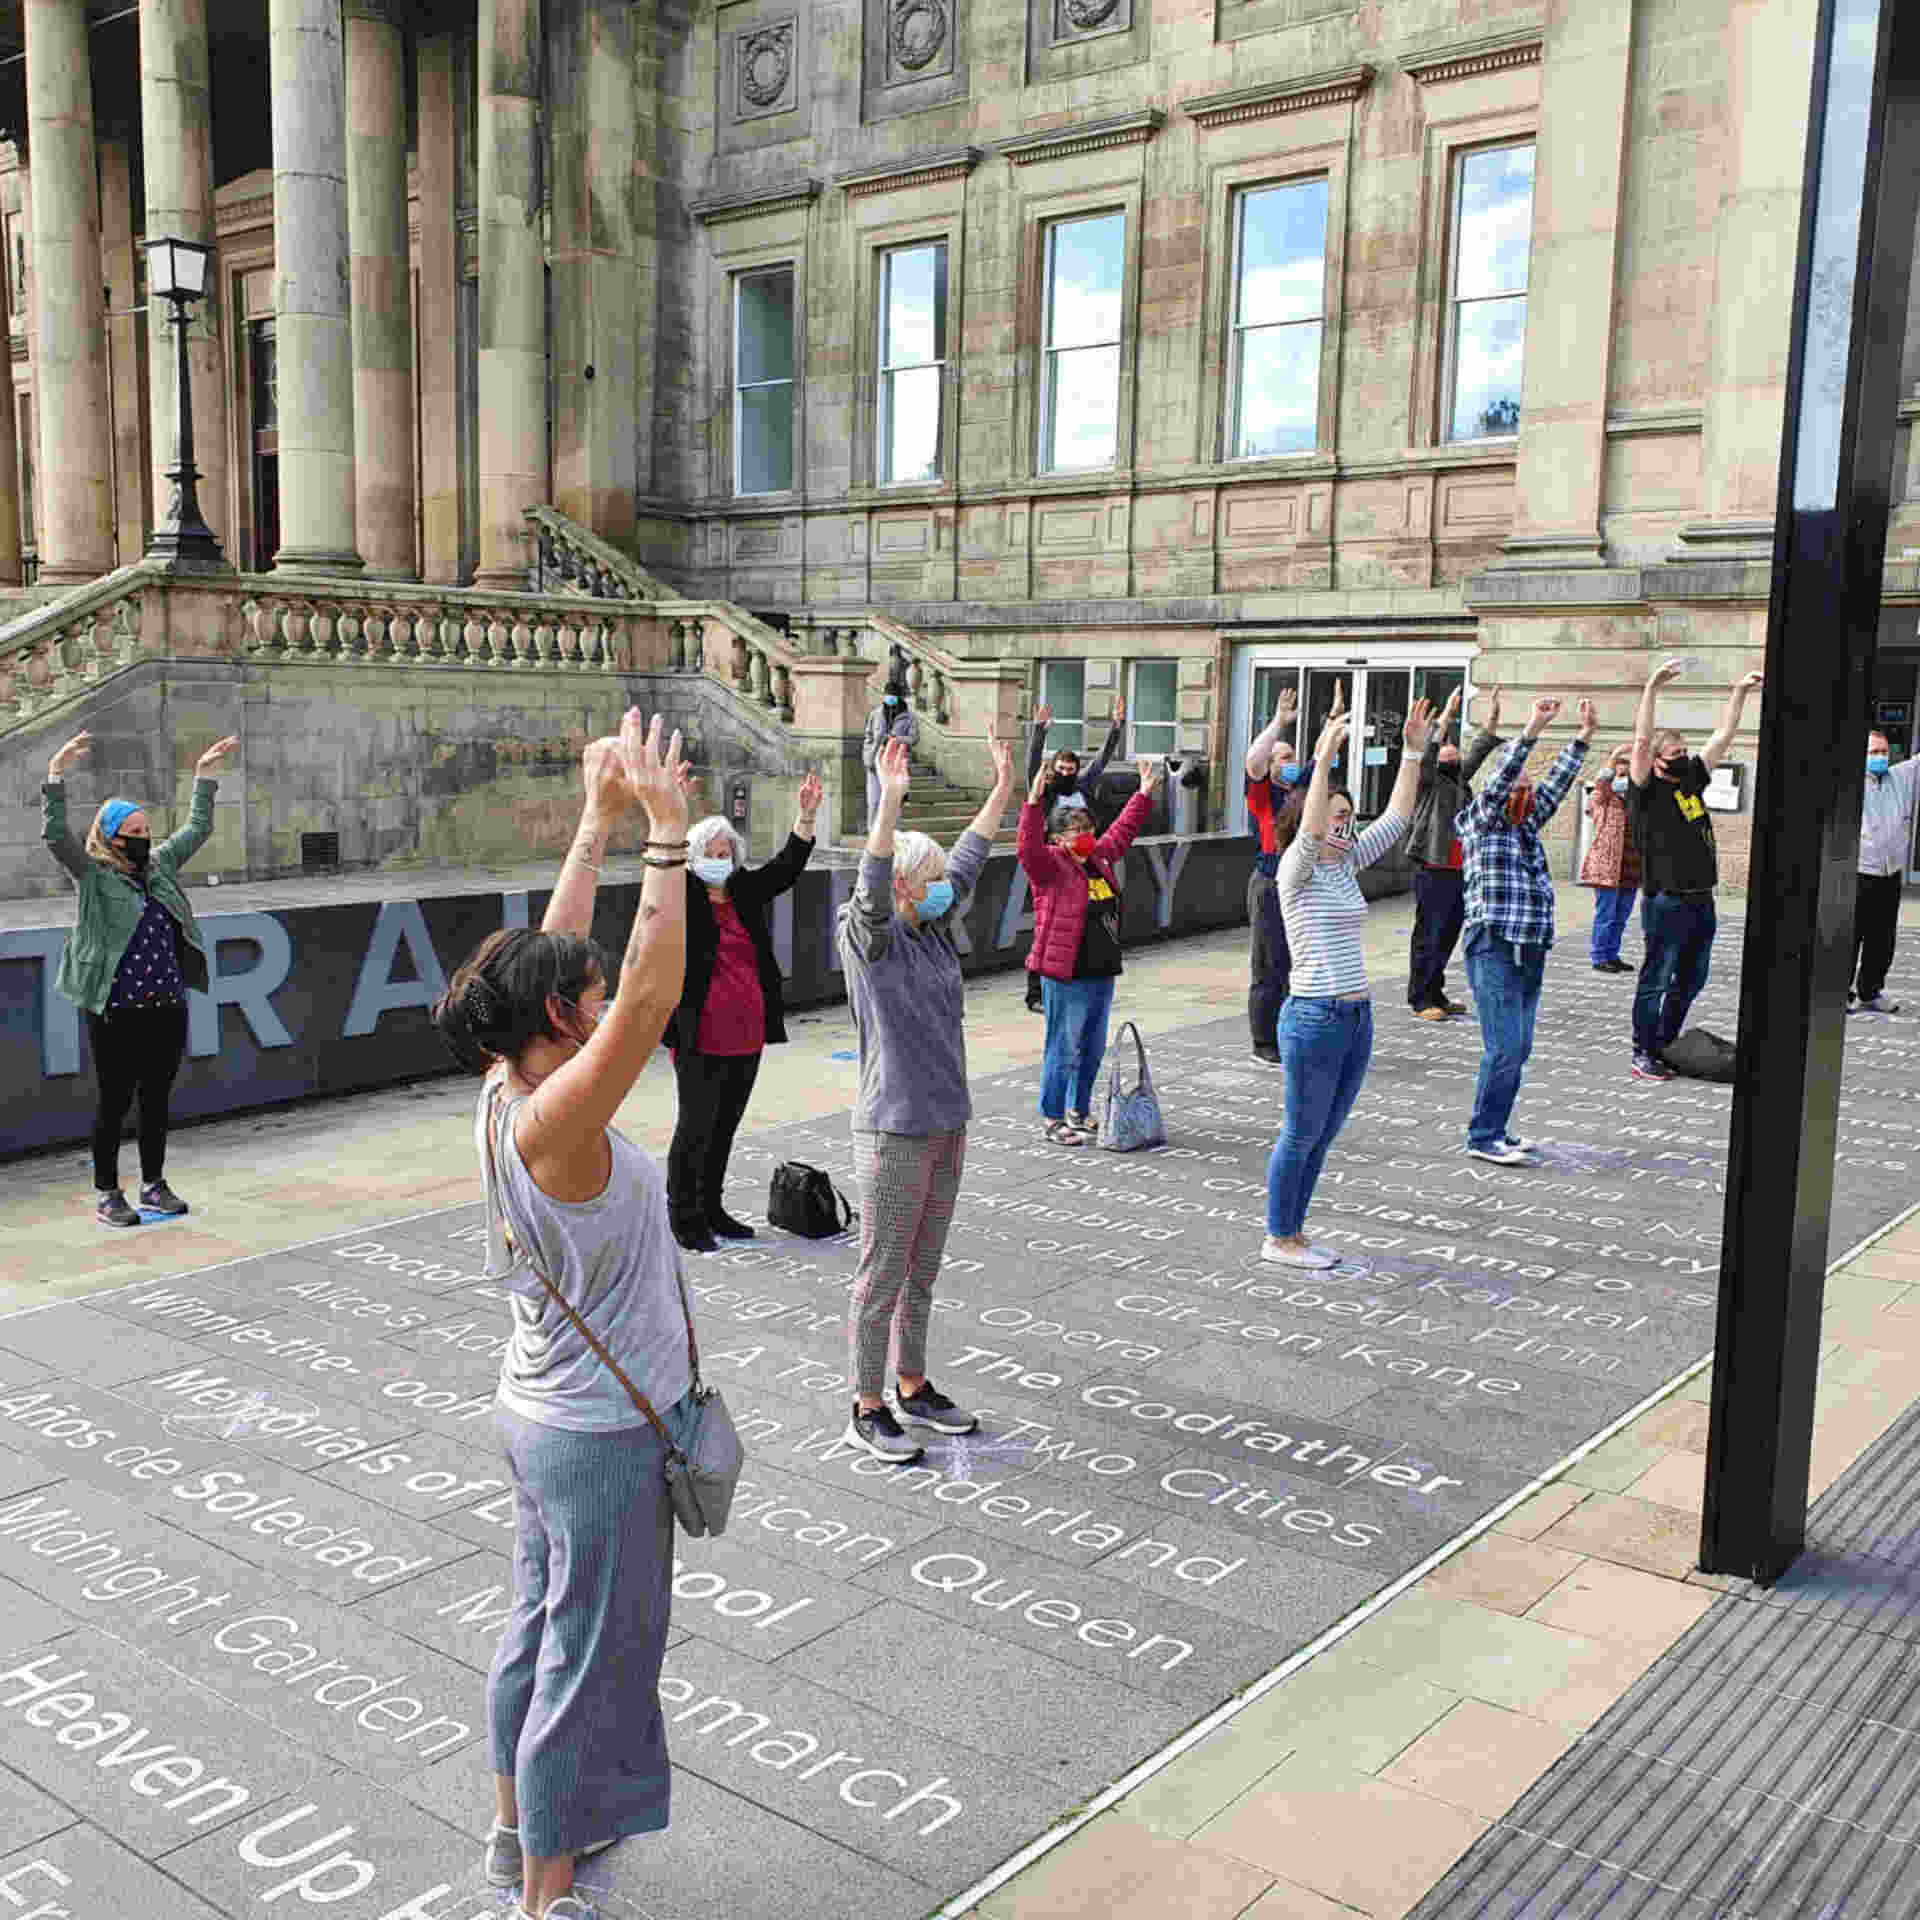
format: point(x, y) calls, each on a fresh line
point(331, 999)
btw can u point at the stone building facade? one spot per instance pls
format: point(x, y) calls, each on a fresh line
point(1176, 350)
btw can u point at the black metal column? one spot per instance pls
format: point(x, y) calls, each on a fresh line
point(1862, 185)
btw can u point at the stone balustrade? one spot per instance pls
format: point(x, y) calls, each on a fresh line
point(570, 559)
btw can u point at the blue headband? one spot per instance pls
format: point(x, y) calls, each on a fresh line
point(115, 815)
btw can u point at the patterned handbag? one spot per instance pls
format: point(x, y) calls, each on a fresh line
point(1130, 1117)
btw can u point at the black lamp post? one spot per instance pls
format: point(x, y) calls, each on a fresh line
point(182, 542)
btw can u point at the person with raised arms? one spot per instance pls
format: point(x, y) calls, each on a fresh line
point(578, 1234)
point(1275, 779)
point(1326, 1027)
point(1439, 863)
point(910, 1116)
point(1064, 782)
point(1510, 921)
point(1679, 865)
point(134, 951)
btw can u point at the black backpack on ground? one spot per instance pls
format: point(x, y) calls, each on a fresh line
point(803, 1200)
point(1701, 1055)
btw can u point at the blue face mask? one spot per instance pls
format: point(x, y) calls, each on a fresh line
point(1292, 773)
point(937, 900)
point(714, 872)
point(892, 699)
point(1878, 763)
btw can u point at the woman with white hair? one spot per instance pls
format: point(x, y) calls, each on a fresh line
point(910, 1118)
point(731, 1009)
point(134, 951)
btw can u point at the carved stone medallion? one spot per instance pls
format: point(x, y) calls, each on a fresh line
point(917, 30)
point(763, 60)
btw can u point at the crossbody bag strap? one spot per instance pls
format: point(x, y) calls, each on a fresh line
point(566, 1306)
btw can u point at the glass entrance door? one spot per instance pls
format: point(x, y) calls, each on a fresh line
point(264, 388)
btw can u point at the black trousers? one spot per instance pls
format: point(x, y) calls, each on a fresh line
point(135, 1051)
point(1269, 964)
point(1876, 919)
point(714, 1090)
point(1439, 912)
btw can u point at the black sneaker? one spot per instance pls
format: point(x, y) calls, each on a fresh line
point(879, 1432)
point(113, 1211)
point(727, 1227)
point(1267, 1056)
point(931, 1408)
point(1646, 1067)
point(696, 1239)
point(158, 1197)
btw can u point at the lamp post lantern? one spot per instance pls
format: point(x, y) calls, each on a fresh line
point(182, 542)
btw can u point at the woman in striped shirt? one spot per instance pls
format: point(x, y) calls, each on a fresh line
point(1326, 1027)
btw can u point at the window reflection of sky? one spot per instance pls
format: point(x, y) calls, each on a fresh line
point(1084, 263)
point(1492, 233)
point(914, 325)
point(1277, 309)
point(1084, 289)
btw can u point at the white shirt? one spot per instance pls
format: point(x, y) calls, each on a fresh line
point(1325, 913)
point(1886, 818)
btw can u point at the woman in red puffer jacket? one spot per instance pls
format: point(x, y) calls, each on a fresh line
point(1076, 942)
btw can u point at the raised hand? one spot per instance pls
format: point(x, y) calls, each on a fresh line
point(603, 770)
point(1002, 751)
point(1037, 792)
point(1418, 724)
point(1120, 710)
point(1450, 713)
point(1493, 709)
point(76, 749)
point(812, 792)
point(1667, 670)
point(1545, 711)
point(1151, 774)
point(209, 762)
point(1750, 683)
point(1337, 722)
point(1043, 717)
point(896, 774)
point(1588, 720)
point(654, 772)
point(1283, 708)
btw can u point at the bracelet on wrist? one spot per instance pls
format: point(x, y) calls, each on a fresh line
point(665, 846)
point(662, 863)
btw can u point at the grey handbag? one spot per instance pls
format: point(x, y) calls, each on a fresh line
point(1130, 1118)
point(704, 1454)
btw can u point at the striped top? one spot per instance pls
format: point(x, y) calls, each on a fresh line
point(1326, 913)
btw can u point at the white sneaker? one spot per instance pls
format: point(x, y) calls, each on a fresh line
point(1519, 1145)
point(1505, 1155)
point(1309, 1257)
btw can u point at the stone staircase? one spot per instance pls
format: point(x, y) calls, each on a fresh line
point(937, 806)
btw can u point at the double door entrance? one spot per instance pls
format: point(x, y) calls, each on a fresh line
point(1380, 690)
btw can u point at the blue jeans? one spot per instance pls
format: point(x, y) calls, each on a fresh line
point(1678, 930)
point(1506, 989)
point(1612, 909)
point(1324, 1049)
point(1077, 1013)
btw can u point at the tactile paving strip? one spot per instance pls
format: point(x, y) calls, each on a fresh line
point(1769, 1764)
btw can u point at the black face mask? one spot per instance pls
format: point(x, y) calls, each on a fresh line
point(138, 851)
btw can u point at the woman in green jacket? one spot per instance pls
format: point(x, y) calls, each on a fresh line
point(134, 951)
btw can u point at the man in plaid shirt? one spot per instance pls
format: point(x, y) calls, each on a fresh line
point(1510, 920)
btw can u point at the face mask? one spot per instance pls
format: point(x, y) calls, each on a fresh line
point(937, 899)
point(1621, 782)
point(1878, 763)
point(712, 873)
point(1292, 774)
point(1080, 845)
point(1067, 776)
point(1340, 834)
point(138, 851)
point(893, 699)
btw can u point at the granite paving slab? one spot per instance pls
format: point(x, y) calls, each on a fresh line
point(262, 1502)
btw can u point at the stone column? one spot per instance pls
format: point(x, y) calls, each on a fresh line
point(311, 287)
point(1579, 158)
point(513, 303)
point(382, 276)
point(1755, 250)
point(131, 516)
point(600, 377)
point(72, 407)
point(439, 288)
point(176, 142)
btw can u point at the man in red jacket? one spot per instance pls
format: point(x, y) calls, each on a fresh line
point(1076, 942)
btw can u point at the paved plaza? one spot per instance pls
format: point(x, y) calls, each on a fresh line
point(254, 1530)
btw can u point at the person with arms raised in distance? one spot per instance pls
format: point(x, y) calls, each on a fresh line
point(1066, 780)
point(1510, 921)
point(910, 1118)
point(1611, 864)
point(1679, 865)
point(578, 1234)
point(1439, 863)
point(1326, 1027)
point(732, 1008)
point(1276, 779)
point(1886, 845)
point(134, 951)
point(1076, 942)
